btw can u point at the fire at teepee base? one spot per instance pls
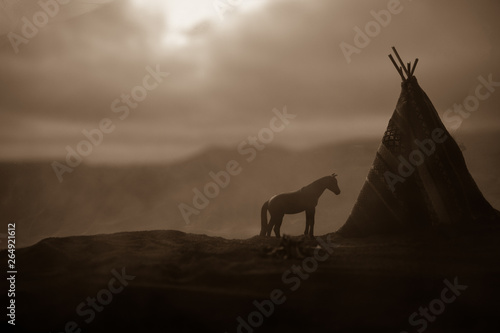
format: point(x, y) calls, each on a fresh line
point(419, 177)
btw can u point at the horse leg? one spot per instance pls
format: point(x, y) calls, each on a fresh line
point(270, 225)
point(277, 225)
point(310, 220)
point(307, 226)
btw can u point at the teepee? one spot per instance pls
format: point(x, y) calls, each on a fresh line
point(419, 176)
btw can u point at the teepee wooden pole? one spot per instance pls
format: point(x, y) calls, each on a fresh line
point(401, 61)
point(414, 66)
point(397, 67)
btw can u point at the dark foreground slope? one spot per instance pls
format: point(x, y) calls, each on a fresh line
point(195, 283)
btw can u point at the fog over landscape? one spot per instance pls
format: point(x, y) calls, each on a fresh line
point(215, 79)
point(119, 85)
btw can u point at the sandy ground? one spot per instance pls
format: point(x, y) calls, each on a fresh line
point(169, 281)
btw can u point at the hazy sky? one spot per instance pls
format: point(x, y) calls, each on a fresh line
point(227, 75)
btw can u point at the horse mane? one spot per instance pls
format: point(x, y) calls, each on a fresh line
point(314, 183)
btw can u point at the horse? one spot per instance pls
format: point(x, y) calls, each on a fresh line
point(305, 199)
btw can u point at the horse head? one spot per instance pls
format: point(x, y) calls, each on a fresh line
point(333, 184)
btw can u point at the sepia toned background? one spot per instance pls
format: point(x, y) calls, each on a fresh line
point(227, 71)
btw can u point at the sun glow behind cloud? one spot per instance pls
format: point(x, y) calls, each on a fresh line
point(183, 16)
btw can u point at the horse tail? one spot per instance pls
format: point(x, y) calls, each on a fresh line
point(263, 218)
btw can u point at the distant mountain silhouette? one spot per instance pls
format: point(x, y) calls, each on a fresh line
point(108, 199)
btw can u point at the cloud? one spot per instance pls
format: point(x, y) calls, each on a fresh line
point(226, 80)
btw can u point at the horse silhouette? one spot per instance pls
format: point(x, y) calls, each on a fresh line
point(304, 199)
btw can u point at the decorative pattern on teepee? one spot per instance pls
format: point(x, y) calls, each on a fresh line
point(419, 177)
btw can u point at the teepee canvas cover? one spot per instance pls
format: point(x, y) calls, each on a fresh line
point(419, 176)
